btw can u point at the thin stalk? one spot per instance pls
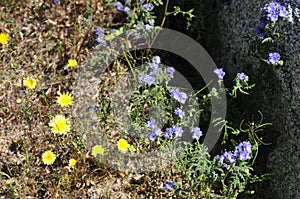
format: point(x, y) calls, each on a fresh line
point(161, 25)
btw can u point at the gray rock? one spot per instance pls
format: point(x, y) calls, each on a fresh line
point(278, 94)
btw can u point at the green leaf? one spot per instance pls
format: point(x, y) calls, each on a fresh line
point(265, 60)
point(268, 39)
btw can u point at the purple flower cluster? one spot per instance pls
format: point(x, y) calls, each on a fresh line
point(244, 150)
point(242, 153)
point(196, 133)
point(260, 32)
point(241, 76)
point(56, 2)
point(155, 71)
point(169, 133)
point(148, 79)
point(150, 24)
point(181, 97)
point(219, 72)
point(177, 130)
point(142, 26)
point(154, 65)
point(100, 36)
point(274, 58)
point(170, 185)
point(274, 10)
point(120, 7)
point(227, 158)
point(148, 7)
point(155, 131)
point(170, 72)
point(179, 112)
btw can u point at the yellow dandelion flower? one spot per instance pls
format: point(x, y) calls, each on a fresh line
point(97, 149)
point(123, 145)
point(65, 99)
point(60, 124)
point(30, 82)
point(72, 162)
point(72, 63)
point(4, 39)
point(48, 157)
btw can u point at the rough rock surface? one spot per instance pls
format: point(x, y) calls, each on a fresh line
point(279, 89)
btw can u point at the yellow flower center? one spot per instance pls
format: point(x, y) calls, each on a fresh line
point(65, 99)
point(60, 124)
point(48, 157)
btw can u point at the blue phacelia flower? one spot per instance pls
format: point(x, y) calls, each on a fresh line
point(263, 21)
point(155, 131)
point(170, 72)
point(241, 76)
point(274, 10)
point(148, 7)
point(151, 22)
point(152, 136)
point(151, 124)
point(230, 157)
point(156, 72)
point(181, 97)
point(219, 72)
point(179, 112)
point(126, 9)
point(259, 32)
point(56, 2)
point(274, 58)
point(148, 79)
point(100, 36)
point(93, 108)
point(196, 133)
point(244, 150)
point(148, 27)
point(178, 131)
point(169, 132)
point(120, 7)
point(227, 158)
point(156, 60)
point(170, 185)
point(153, 66)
